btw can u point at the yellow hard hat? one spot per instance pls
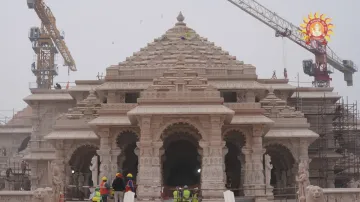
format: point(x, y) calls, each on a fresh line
point(104, 178)
point(129, 175)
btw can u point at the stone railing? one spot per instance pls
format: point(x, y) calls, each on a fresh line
point(39, 195)
point(15, 196)
point(342, 194)
point(243, 105)
point(180, 95)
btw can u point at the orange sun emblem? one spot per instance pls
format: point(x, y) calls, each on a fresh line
point(317, 27)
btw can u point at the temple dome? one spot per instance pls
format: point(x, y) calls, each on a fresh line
point(180, 46)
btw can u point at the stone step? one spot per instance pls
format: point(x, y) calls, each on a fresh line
point(240, 199)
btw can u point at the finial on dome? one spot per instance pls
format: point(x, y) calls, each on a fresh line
point(271, 90)
point(180, 17)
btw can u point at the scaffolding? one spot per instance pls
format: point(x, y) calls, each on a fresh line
point(6, 115)
point(335, 154)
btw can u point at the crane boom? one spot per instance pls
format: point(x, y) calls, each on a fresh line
point(287, 29)
point(49, 22)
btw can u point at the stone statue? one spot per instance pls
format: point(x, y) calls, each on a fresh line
point(303, 180)
point(57, 182)
point(314, 194)
point(353, 183)
point(268, 168)
point(94, 170)
point(42, 195)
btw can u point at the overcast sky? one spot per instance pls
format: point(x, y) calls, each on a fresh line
point(102, 33)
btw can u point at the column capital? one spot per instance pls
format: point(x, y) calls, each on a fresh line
point(203, 144)
point(145, 122)
point(246, 151)
point(258, 130)
point(103, 152)
point(158, 144)
point(104, 132)
point(58, 144)
point(116, 152)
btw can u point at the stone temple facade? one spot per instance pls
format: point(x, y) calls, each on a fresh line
point(180, 111)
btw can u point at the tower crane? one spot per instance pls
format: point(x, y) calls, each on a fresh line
point(47, 41)
point(324, 55)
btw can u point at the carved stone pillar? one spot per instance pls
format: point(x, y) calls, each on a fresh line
point(250, 96)
point(304, 155)
point(212, 171)
point(111, 98)
point(60, 163)
point(68, 174)
point(224, 152)
point(258, 181)
point(34, 145)
point(248, 172)
point(104, 153)
point(149, 176)
point(114, 163)
point(331, 175)
point(34, 178)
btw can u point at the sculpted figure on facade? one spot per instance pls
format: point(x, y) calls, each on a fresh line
point(268, 168)
point(42, 195)
point(314, 194)
point(303, 180)
point(94, 170)
point(353, 183)
point(57, 183)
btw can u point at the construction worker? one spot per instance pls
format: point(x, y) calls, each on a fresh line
point(195, 195)
point(176, 194)
point(119, 187)
point(104, 189)
point(129, 183)
point(97, 196)
point(186, 194)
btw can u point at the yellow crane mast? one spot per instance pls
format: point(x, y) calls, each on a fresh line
point(47, 41)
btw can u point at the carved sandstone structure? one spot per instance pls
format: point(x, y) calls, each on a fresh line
point(181, 111)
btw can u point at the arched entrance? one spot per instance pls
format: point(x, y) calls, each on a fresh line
point(81, 175)
point(283, 161)
point(127, 160)
point(235, 140)
point(181, 160)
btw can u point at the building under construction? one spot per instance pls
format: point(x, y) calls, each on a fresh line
point(335, 154)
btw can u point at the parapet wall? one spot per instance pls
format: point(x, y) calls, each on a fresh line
point(15, 196)
point(342, 194)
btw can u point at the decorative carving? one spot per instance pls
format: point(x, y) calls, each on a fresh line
point(303, 180)
point(71, 150)
point(268, 168)
point(86, 109)
point(314, 194)
point(42, 195)
point(353, 183)
point(173, 121)
point(241, 96)
point(288, 144)
point(57, 182)
point(277, 108)
point(94, 169)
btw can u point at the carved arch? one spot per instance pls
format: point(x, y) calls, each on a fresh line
point(288, 159)
point(241, 138)
point(288, 145)
point(119, 133)
point(75, 147)
point(196, 126)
